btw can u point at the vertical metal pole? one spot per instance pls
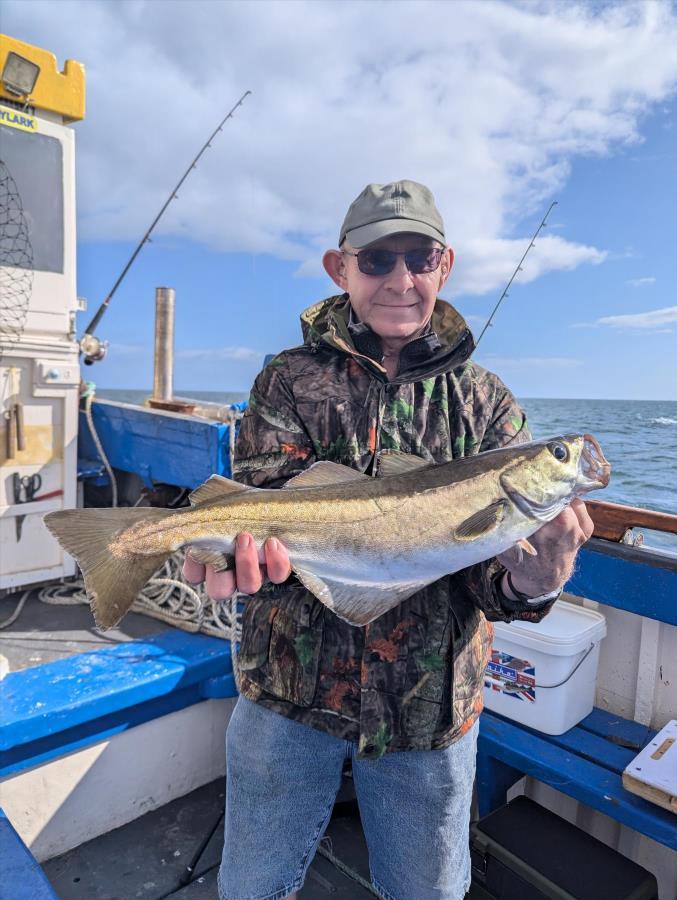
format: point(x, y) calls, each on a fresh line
point(163, 373)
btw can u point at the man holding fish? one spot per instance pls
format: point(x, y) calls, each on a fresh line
point(385, 368)
point(413, 510)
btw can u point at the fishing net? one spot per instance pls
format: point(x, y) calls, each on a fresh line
point(16, 262)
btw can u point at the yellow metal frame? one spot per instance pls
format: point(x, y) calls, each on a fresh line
point(59, 92)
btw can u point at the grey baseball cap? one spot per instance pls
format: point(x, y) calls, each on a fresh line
point(385, 209)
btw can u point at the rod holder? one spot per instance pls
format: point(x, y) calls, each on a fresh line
point(163, 372)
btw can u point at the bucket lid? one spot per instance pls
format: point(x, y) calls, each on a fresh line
point(567, 629)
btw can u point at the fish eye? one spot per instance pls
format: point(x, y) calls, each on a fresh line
point(559, 451)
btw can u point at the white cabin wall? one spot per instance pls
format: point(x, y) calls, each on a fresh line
point(665, 698)
point(637, 674)
point(618, 661)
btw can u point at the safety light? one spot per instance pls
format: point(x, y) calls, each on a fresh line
point(19, 75)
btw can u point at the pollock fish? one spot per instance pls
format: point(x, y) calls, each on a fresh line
point(360, 544)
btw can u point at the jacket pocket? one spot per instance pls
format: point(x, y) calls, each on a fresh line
point(257, 622)
point(282, 641)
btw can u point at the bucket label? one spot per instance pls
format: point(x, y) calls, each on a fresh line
point(509, 675)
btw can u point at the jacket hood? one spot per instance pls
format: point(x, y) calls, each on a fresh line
point(446, 344)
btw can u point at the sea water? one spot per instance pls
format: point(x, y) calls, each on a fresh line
point(638, 437)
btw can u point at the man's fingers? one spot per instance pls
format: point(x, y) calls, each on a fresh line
point(193, 571)
point(219, 585)
point(573, 526)
point(277, 561)
point(248, 573)
point(584, 520)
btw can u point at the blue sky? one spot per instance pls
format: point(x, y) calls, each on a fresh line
point(500, 108)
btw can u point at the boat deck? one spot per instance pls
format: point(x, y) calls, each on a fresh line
point(147, 858)
point(44, 632)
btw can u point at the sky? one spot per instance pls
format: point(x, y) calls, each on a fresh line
point(500, 108)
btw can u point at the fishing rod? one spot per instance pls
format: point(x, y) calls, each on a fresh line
point(94, 349)
point(514, 274)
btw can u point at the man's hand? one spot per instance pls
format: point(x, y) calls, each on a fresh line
point(557, 544)
point(251, 569)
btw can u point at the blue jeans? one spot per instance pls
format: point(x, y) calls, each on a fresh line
point(282, 779)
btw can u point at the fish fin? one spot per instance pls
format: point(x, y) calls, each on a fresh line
point(481, 522)
point(112, 582)
point(324, 473)
point(357, 603)
point(216, 558)
point(528, 547)
point(394, 462)
point(215, 488)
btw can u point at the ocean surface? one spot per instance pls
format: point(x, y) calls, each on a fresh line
point(639, 438)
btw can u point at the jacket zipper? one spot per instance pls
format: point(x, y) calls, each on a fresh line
point(382, 391)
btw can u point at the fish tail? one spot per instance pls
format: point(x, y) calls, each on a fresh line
point(112, 581)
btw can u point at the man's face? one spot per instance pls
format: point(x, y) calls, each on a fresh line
point(399, 304)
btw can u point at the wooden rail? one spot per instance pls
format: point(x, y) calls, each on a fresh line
point(612, 520)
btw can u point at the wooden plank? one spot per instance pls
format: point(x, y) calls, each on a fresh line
point(612, 520)
point(52, 698)
point(624, 732)
point(579, 778)
point(586, 744)
point(650, 793)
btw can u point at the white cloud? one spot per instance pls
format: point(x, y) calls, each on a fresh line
point(485, 263)
point(489, 103)
point(216, 354)
point(641, 282)
point(644, 320)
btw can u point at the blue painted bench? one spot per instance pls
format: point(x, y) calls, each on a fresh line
point(587, 761)
point(19, 871)
point(53, 709)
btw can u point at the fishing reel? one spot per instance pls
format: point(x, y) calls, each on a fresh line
point(92, 348)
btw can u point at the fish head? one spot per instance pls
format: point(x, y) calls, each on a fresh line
point(550, 473)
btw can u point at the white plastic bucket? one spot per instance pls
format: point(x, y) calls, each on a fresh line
point(543, 674)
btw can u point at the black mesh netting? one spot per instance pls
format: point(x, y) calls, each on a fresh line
point(16, 261)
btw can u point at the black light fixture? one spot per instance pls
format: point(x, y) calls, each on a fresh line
point(19, 75)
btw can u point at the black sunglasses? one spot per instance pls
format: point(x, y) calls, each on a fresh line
point(379, 261)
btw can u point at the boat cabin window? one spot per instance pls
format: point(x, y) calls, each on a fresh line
point(32, 236)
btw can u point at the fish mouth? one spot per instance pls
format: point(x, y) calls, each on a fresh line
point(594, 470)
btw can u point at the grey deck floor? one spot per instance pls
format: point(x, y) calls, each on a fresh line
point(146, 858)
point(44, 632)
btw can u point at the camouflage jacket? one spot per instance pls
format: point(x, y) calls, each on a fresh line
point(412, 679)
